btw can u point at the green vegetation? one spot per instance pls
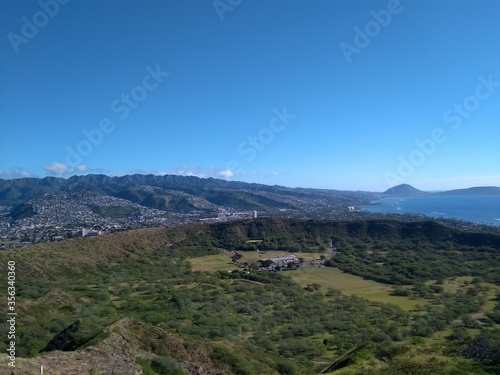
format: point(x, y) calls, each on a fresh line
point(417, 259)
point(213, 263)
point(399, 298)
point(224, 261)
point(114, 211)
point(160, 366)
point(332, 280)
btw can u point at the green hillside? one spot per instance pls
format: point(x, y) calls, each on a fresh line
point(131, 301)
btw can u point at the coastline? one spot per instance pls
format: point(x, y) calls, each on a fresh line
point(477, 209)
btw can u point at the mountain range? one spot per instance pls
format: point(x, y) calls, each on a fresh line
point(408, 191)
point(20, 190)
point(175, 194)
point(132, 187)
point(148, 197)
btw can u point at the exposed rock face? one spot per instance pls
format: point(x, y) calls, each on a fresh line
point(117, 354)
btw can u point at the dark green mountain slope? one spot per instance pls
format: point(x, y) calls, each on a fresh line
point(131, 300)
point(170, 193)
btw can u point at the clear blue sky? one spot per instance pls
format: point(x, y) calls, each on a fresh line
point(326, 94)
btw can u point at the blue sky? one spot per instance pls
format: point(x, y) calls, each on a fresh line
point(357, 95)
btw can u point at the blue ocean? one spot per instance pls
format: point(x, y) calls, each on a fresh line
point(482, 209)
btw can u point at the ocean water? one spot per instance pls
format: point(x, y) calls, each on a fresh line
point(483, 209)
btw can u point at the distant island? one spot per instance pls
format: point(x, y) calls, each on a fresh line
point(481, 190)
point(406, 190)
point(403, 190)
point(479, 205)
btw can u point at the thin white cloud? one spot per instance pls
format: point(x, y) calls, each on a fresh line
point(260, 174)
point(197, 171)
point(201, 172)
point(10, 173)
point(226, 174)
point(186, 170)
point(146, 171)
point(61, 169)
point(81, 168)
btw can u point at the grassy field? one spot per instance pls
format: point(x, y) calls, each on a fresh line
point(452, 285)
point(465, 282)
point(491, 295)
point(352, 285)
point(213, 263)
point(327, 277)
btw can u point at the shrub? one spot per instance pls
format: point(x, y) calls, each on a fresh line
point(237, 363)
point(285, 367)
point(166, 366)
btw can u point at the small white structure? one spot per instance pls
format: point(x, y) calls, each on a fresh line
point(254, 214)
point(87, 233)
point(283, 259)
point(351, 209)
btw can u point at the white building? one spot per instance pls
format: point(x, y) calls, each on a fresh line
point(283, 259)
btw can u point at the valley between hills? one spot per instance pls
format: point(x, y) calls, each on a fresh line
point(359, 297)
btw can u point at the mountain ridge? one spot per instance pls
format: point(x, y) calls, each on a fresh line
point(403, 190)
point(34, 210)
point(102, 201)
point(20, 190)
point(409, 190)
point(26, 187)
point(476, 190)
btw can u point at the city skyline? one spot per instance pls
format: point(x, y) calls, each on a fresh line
point(332, 95)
